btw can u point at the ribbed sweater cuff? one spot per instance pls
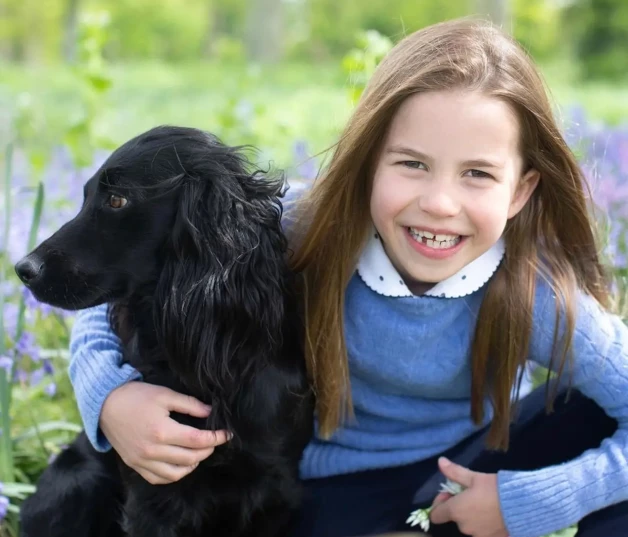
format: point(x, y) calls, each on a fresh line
point(93, 379)
point(536, 503)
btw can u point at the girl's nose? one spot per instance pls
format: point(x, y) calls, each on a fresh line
point(439, 202)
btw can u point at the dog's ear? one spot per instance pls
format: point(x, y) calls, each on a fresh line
point(220, 298)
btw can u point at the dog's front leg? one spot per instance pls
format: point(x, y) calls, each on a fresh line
point(78, 495)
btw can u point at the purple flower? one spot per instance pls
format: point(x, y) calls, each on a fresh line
point(10, 312)
point(6, 362)
point(27, 346)
point(4, 507)
point(306, 166)
point(21, 376)
point(7, 288)
point(37, 376)
point(50, 389)
point(32, 304)
point(29, 299)
point(47, 365)
point(616, 248)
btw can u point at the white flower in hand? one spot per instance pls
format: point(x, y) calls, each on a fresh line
point(421, 517)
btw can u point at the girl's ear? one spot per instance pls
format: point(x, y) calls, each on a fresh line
point(524, 190)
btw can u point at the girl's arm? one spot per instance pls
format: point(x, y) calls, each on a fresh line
point(96, 368)
point(535, 502)
point(161, 450)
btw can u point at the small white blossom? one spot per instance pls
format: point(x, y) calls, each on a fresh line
point(422, 516)
point(451, 487)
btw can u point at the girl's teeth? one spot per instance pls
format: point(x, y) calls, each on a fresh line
point(435, 241)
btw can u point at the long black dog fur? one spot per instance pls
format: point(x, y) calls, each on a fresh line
point(194, 269)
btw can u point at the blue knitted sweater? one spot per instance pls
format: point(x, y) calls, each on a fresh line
point(411, 384)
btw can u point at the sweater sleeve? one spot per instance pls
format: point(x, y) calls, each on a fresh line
point(96, 368)
point(535, 503)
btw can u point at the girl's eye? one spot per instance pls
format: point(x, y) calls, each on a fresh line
point(116, 202)
point(414, 164)
point(480, 174)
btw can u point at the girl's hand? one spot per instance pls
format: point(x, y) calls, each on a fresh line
point(135, 418)
point(476, 509)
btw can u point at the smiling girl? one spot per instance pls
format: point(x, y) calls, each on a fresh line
point(447, 246)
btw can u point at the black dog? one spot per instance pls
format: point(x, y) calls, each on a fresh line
point(186, 245)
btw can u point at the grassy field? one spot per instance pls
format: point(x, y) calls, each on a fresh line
point(273, 108)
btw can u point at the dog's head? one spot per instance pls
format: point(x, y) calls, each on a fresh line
point(172, 204)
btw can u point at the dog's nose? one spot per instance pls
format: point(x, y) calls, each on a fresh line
point(29, 268)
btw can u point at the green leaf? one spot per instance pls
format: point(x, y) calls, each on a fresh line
point(99, 82)
point(48, 427)
point(6, 444)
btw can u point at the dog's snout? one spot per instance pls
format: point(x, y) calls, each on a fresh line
point(29, 268)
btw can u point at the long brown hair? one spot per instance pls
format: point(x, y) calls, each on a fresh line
point(553, 234)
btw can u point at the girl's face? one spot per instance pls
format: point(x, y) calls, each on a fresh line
point(447, 180)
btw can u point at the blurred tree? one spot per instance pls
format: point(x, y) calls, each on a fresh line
point(599, 29)
point(595, 31)
point(30, 30)
point(497, 11)
point(225, 24)
point(536, 25)
point(155, 30)
point(264, 30)
point(70, 30)
point(334, 26)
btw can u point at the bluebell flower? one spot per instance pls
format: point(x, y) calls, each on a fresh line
point(4, 506)
point(6, 362)
point(27, 346)
point(21, 376)
point(37, 376)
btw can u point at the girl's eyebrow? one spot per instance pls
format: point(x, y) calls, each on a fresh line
point(478, 163)
point(403, 150)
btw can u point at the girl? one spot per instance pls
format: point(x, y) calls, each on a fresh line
point(447, 246)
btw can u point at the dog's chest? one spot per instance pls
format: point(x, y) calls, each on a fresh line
point(155, 369)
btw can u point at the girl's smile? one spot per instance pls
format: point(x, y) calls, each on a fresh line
point(436, 244)
point(448, 178)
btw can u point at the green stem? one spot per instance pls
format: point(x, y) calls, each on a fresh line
point(6, 451)
point(8, 473)
point(5, 237)
point(32, 238)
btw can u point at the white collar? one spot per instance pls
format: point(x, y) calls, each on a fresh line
point(376, 270)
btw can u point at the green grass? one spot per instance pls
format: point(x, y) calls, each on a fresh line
point(290, 102)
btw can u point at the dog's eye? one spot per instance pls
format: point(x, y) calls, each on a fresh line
point(117, 202)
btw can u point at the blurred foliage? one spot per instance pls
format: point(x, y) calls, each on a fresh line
point(599, 29)
point(93, 82)
point(360, 62)
point(537, 25)
point(593, 32)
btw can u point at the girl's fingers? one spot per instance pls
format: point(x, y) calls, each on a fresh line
point(180, 456)
point(163, 473)
point(441, 497)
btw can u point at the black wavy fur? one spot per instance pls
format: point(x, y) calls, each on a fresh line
point(194, 269)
